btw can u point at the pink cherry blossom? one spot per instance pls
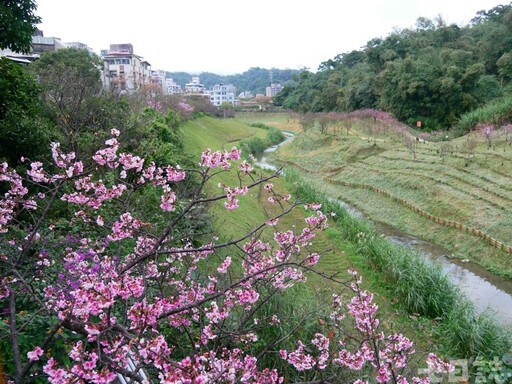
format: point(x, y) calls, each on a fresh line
point(35, 354)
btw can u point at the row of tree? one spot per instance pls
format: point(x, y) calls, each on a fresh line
point(434, 72)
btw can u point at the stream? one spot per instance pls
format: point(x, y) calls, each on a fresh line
point(488, 292)
point(262, 157)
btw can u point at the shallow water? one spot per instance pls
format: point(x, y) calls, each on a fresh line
point(262, 159)
point(486, 290)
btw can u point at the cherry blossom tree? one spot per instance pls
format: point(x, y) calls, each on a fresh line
point(92, 292)
point(410, 141)
point(487, 130)
point(507, 130)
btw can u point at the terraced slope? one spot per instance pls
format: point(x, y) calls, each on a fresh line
point(457, 198)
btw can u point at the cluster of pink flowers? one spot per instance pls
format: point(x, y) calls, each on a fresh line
point(232, 201)
point(275, 197)
point(245, 167)
point(215, 159)
point(185, 107)
point(487, 130)
point(386, 355)
point(15, 196)
point(155, 104)
point(225, 265)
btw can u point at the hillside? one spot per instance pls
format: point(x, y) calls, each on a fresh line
point(456, 193)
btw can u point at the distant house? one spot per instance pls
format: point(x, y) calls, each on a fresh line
point(246, 95)
point(123, 69)
point(195, 86)
point(171, 87)
point(273, 90)
point(40, 44)
point(158, 78)
point(222, 93)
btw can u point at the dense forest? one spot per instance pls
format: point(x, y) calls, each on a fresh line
point(434, 72)
point(254, 80)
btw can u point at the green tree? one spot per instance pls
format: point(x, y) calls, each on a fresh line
point(71, 83)
point(493, 29)
point(17, 24)
point(23, 130)
point(504, 65)
point(327, 100)
point(360, 91)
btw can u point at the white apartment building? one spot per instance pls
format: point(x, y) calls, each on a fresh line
point(273, 90)
point(194, 86)
point(123, 69)
point(171, 87)
point(222, 93)
point(158, 78)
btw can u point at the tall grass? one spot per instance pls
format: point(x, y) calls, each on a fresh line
point(418, 283)
point(496, 113)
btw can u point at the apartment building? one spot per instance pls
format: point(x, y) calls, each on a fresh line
point(195, 86)
point(171, 87)
point(222, 93)
point(273, 90)
point(123, 69)
point(158, 78)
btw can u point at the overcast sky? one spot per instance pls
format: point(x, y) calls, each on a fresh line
point(231, 36)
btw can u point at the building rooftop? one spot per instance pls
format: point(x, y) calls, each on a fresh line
point(43, 40)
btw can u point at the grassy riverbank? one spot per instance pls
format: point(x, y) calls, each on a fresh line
point(456, 193)
point(416, 283)
point(338, 255)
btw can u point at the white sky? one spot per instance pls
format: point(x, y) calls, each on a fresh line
point(231, 36)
